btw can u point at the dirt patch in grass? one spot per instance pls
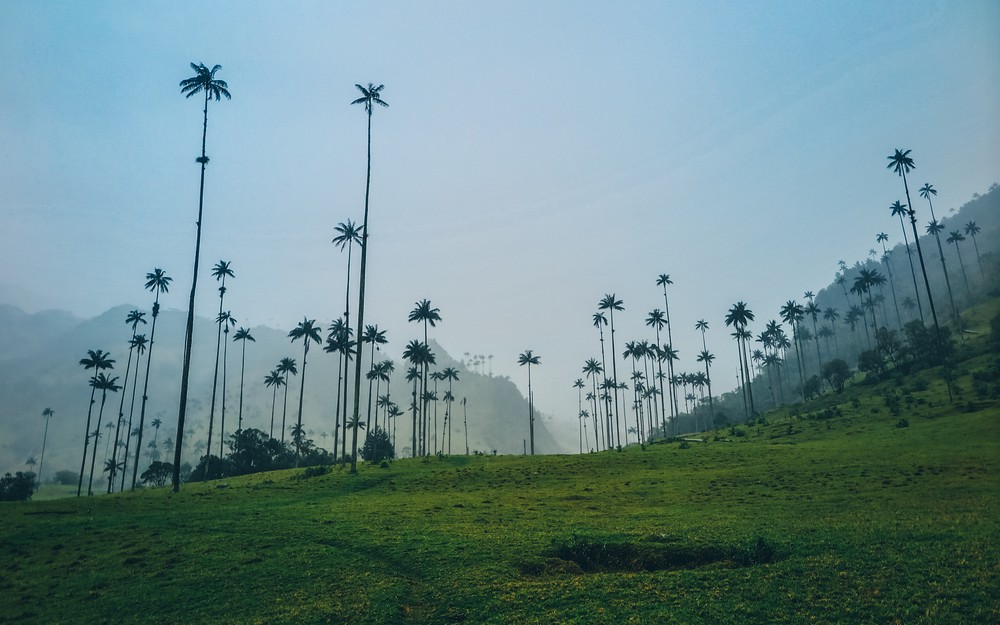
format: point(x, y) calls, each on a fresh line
point(595, 554)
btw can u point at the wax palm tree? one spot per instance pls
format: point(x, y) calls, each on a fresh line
point(157, 281)
point(369, 97)
point(220, 272)
point(971, 229)
point(814, 311)
point(227, 320)
point(739, 316)
point(830, 314)
point(273, 380)
point(375, 338)
point(423, 312)
point(340, 341)
point(308, 331)
point(204, 81)
point(663, 280)
point(657, 319)
point(956, 237)
point(578, 385)
point(420, 356)
point(134, 318)
point(348, 233)
point(593, 369)
point(413, 375)
point(900, 209)
point(791, 313)
point(105, 384)
point(901, 163)
point(528, 358)
point(47, 414)
point(243, 334)
point(138, 343)
point(882, 237)
point(707, 357)
point(286, 367)
point(611, 303)
point(600, 320)
point(936, 228)
point(449, 375)
point(96, 360)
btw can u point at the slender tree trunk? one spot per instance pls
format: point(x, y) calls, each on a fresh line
point(361, 302)
point(531, 413)
point(189, 329)
point(86, 439)
point(913, 272)
point(93, 454)
point(225, 376)
point(274, 399)
point(131, 413)
point(302, 389)
point(145, 396)
point(45, 437)
point(923, 270)
point(121, 416)
point(243, 370)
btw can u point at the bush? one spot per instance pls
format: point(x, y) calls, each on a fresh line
point(902, 423)
point(66, 478)
point(377, 446)
point(316, 471)
point(17, 487)
point(157, 474)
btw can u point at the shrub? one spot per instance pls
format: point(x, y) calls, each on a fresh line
point(66, 477)
point(377, 446)
point(17, 487)
point(902, 423)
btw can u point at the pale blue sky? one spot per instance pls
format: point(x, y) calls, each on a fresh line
point(535, 156)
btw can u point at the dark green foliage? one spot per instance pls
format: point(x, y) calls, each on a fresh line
point(871, 362)
point(217, 467)
point(251, 451)
point(17, 487)
point(316, 471)
point(597, 554)
point(157, 474)
point(377, 447)
point(995, 330)
point(812, 388)
point(66, 477)
point(903, 423)
point(836, 373)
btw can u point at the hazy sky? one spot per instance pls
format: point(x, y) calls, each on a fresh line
point(535, 156)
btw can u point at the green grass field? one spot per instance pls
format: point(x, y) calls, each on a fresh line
point(828, 513)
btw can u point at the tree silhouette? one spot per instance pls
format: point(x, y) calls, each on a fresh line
point(220, 272)
point(204, 81)
point(901, 163)
point(956, 237)
point(348, 233)
point(308, 331)
point(96, 360)
point(882, 237)
point(419, 355)
point(663, 280)
point(243, 334)
point(611, 303)
point(423, 312)
point(134, 318)
point(286, 367)
point(157, 282)
point(971, 229)
point(528, 358)
point(369, 97)
point(104, 384)
point(900, 209)
point(739, 316)
point(340, 341)
point(273, 380)
point(791, 313)
point(375, 337)
point(47, 414)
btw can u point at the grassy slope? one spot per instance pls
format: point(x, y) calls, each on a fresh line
point(871, 524)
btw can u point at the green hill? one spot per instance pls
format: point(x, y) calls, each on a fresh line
point(878, 505)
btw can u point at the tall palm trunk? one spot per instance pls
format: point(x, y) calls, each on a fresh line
point(121, 416)
point(923, 270)
point(225, 368)
point(361, 302)
point(909, 257)
point(145, 395)
point(86, 439)
point(892, 288)
point(302, 389)
point(128, 429)
point(189, 328)
point(531, 413)
point(243, 367)
point(45, 437)
point(93, 454)
point(215, 378)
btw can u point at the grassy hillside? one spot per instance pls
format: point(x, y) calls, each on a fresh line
point(834, 515)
